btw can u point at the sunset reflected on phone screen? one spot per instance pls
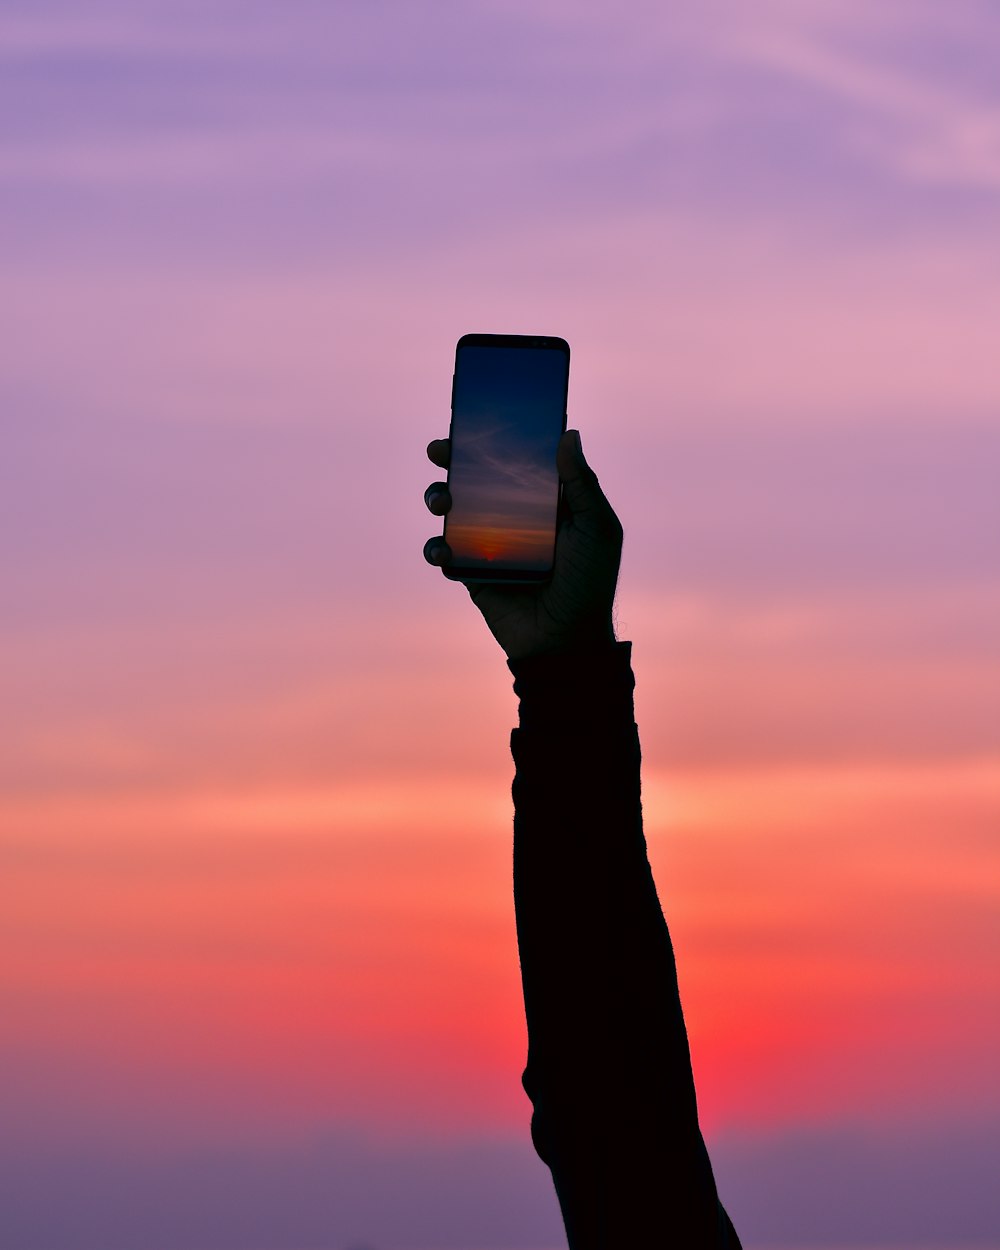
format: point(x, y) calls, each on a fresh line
point(518, 547)
point(493, 544)
point(508, 416)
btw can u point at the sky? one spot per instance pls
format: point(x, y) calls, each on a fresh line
point(258, 976)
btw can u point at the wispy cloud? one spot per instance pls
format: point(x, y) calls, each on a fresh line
point(200, 156)
point(926, 131)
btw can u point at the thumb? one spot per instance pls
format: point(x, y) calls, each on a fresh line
point(581, 489)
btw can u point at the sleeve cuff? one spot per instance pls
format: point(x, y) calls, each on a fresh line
point(567, 690)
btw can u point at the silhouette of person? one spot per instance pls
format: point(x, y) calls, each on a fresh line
point(609, 1069)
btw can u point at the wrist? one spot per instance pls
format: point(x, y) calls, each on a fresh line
point(560, 691)
point(587, 640)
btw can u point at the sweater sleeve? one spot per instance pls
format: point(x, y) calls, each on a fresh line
point(609, 1069)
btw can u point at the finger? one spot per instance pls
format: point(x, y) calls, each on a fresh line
point(437, 497)
point(581, 489)
point(437, 551)
point(439, 452)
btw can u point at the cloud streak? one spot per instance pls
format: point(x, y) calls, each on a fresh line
point(926, 133)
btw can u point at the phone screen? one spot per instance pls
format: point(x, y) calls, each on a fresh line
point(508, 414)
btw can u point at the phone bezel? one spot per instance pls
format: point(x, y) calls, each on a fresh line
point(540, 342)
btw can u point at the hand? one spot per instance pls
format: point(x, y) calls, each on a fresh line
point(572, 612)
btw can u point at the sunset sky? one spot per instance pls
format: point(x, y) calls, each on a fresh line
point(258, 976)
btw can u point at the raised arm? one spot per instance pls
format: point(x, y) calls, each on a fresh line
point(609, 1070)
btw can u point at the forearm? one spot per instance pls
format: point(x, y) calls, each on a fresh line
point(609, 1070)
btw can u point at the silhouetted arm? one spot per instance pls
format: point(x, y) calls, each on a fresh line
point(609, 1071)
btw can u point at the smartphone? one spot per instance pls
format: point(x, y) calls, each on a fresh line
point(508, 412)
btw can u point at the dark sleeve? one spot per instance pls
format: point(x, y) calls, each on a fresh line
point(609, 1070)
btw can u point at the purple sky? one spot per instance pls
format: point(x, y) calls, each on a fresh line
point(239, 242)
